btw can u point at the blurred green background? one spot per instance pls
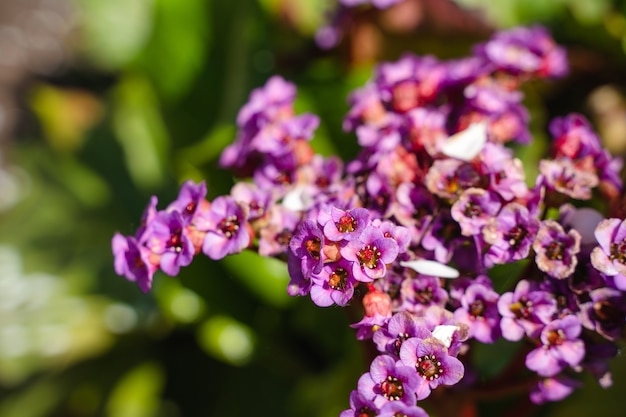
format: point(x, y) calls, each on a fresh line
point(104, 103)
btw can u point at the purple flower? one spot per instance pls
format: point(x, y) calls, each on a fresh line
point(574, 137)
point(190, 197)
point(333, 284)
point(479, 310)
point(256, 200)
point(421, 292)
point(165, 236)
point(147, 216)
point(227, 232)
point(430, 358)
point(277, 139)
point(401, 234)
point(605, 312)
point(271, 102)
point(299, 284)
point(563, 176)
point(561, 347)
point(389, 381)
point(132, 261)
point(402, 326)
point(370, 254)
point(525, 50)
point(510, 234)
point(410, 82)
point(556, 250)
point(443, 237)
point(553, 389)
point(360, 406)
point(275, 235)
point(307, 244)
point(473, 210)
point(426, 130)
point(343, 224)
point(506, 174)
point(414, 207)
point(525, 311)
point(610, 256)
point(397, 408)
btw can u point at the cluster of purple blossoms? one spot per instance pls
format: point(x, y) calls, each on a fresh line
point(434, 202)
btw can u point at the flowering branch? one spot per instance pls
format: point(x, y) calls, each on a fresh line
point(432, 204)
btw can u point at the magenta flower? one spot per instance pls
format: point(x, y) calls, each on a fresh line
point(334, 284)
point(510, 234)
point(605, 312)
point(189, 199)
point(553, 389)
point(525, 50)
point(474, 209)
point(402, 326)
point(388, 381)
point(370, 253)
point(165, 236)
point(610, 256)
point(307, 244)
point(132, 261)
point(556, 250)
point(397, 408)
point(360, 406)
point(479, 310)
point(421, 292)
point(525, 311)
point(563, 176)
point(227, 233)
point(561, 347)
point(343, 224)
point(430, 358)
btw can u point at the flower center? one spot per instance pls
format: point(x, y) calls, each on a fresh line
point(424, 296)
point(429, 367)
point(556, 337)
point(337, 279)
point(397, 344)
point(472, 210)
point(618, 252)
point(477, 309)
point(515, 236)
point(522, 309)
point(366, 412)
point(555, 251)
point(607, 312)
point(313, 247)
point(369, 256)
point(175, 241)
point(392, 388)
point(229, 226)
point(346, 224)
point(284, 237)
point(190, 208)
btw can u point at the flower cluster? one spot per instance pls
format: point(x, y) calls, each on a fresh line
point(434, 203)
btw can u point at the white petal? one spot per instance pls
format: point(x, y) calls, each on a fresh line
point(468, 143)
point(444, 333)
point(297, 199)
point(433, 268)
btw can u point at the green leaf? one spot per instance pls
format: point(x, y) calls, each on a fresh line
point(114, 31)
point(137, 394)
point(140, 131)
point(266, 277)
point(178, 46)
point(227, 340)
